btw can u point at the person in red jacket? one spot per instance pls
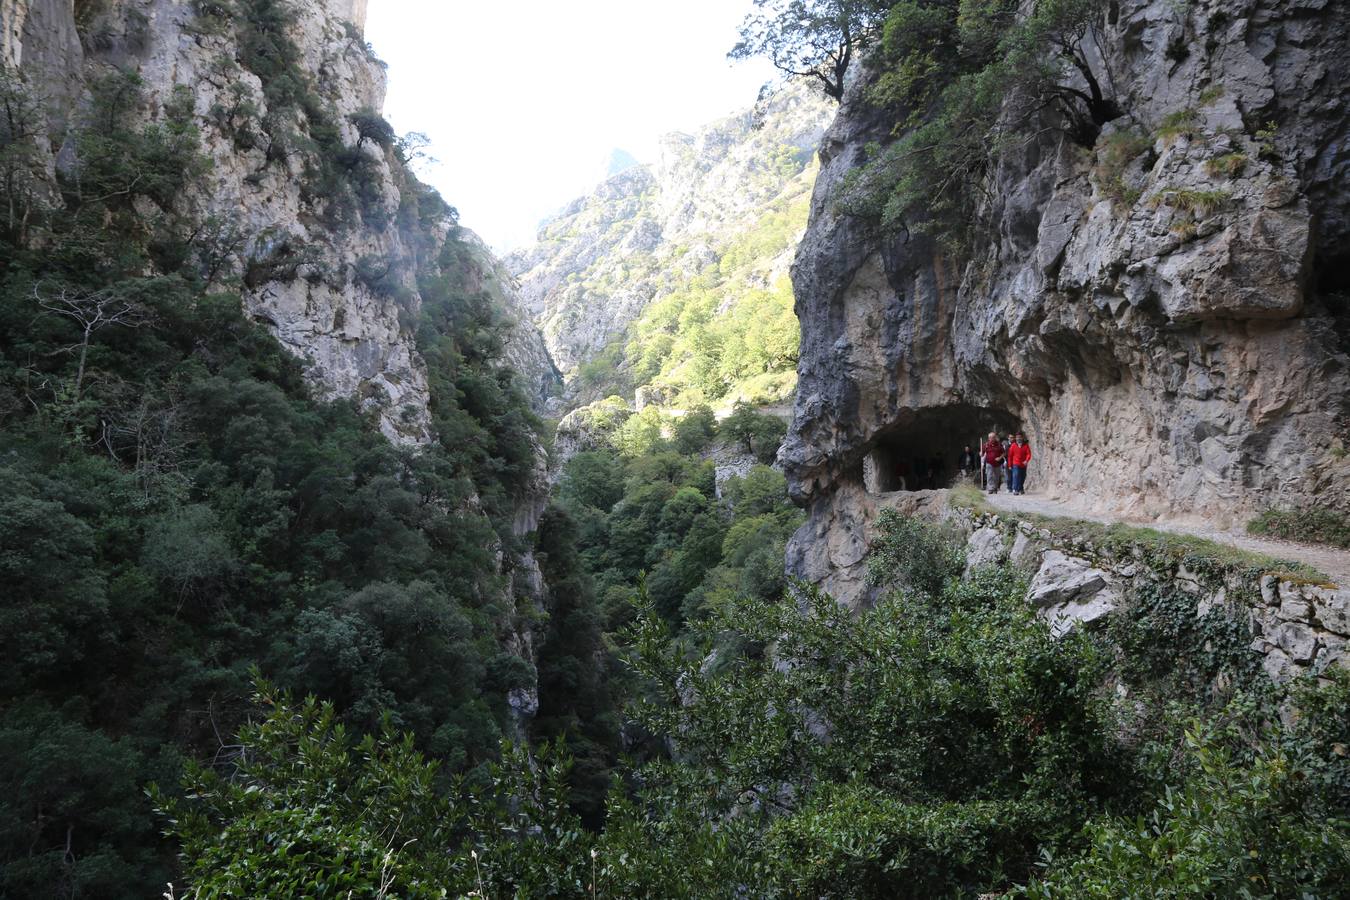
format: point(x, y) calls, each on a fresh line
point(1019, 454)
point(992, 451)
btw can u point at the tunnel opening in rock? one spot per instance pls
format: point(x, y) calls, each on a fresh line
point(922, 449)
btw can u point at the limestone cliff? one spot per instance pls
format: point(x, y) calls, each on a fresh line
point(307, 195)
point(649, 229)
point(1165, 356)
point(306, 208)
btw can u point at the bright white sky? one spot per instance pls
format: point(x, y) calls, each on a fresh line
point(523, 100)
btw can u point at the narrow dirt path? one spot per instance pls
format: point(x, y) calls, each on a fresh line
point(1329, 560)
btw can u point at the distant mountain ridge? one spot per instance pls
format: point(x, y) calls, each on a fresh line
point(649, 231)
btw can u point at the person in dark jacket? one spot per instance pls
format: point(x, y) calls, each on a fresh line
point(992, 451)
point(966, 461)
point(1019, 454)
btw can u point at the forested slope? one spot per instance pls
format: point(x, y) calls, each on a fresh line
point(254, 412)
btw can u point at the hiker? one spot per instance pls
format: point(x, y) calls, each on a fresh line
point(993, 463)
point(966, 461)
point(1019, 454)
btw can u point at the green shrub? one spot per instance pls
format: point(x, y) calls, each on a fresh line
point(1114, 154)
point(1232, 829)
point(1180, 123)
point(1318, 525)
point(1229, 165)
point(971, 81)
point(910, 553)
point(857, 841)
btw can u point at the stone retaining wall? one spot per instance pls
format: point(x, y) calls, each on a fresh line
point(1296, 626)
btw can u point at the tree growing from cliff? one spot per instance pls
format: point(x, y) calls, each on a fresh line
point(813, 39)
point(969, 81)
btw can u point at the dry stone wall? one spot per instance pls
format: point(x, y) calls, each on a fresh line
point(1296, 626)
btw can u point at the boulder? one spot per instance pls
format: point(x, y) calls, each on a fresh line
point(985, 547)
point(1068, 591)
point(1025, 553)
point(1297, 640)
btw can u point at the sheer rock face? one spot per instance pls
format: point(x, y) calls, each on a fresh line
point(302, 275)
point(599, 263)
point(1166, 356)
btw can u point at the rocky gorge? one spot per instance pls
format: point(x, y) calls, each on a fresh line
point(330, 294)
point(341, 557)
point(648, 230)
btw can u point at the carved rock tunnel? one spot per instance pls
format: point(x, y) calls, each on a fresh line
point(921, 449)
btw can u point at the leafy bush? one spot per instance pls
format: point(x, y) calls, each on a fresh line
point(931, 745)
point(911, 554)
point(1232, 829)
point(1179, 123)
point(758, 433)
point(1115, 153)
point(1227, 165)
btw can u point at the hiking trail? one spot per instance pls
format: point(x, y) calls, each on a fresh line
point(1329, 560)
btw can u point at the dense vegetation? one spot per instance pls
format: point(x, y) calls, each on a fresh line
point(650, 505)
point(941, 743)
point(182, 514)
point(179, 507)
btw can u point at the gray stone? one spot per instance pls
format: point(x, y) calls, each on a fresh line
point(1068, 591)
point(1213, 601)
point(1290, 592)
point(1026, 552)
point(523, 701)
point(1268, 590)
point(1292, 610)
point(1187, 580)
point(985, 547)
point(1278, 666)
point(1333, 610)
point(1332, 657)
point(1297, 640)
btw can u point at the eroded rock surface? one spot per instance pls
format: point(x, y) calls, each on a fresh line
point(1068, 591)
point(1165, 355)
point(337, 289)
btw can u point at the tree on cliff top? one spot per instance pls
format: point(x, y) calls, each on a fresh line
point(816, 39)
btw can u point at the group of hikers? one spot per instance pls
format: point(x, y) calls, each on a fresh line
point(999, 461)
